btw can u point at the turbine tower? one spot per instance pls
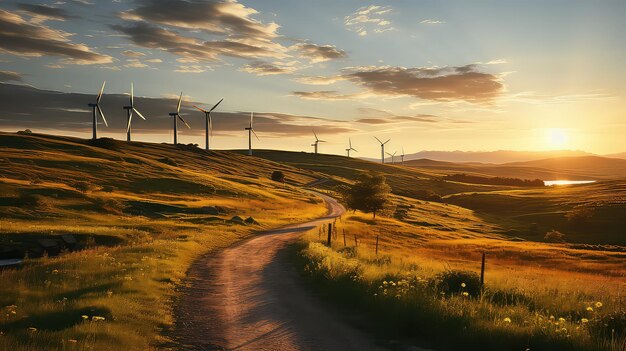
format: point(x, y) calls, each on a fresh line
point(129, 113)
point(95, 107)
point(402, 156)
point(393, 162)
point(208, 122)
point(176, 115)
point(250, 130)
point(317, 141)
point(350, 148)
point(382, 149)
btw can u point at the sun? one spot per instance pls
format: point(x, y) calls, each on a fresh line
point(557, 137)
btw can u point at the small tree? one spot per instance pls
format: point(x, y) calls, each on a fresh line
point(278, 176)
point(554, 236)
point(370, 193)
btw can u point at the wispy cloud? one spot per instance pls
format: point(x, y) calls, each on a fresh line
point(45, 12)
point(266, 68)
point(319, 53)
point(10, 76)
point(369, 19)
point(432, 21)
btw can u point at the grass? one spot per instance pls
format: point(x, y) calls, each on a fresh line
point(141, 213)
point(536, 295)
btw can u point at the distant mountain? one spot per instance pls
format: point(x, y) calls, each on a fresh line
point(500, 156)
point(618, 155)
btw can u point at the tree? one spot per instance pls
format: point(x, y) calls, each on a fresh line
point(278, 176)
point(368, 194)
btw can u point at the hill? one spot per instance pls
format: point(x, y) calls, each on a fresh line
point(498, 157)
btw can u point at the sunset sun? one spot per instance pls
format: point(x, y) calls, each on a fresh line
point(557, 138)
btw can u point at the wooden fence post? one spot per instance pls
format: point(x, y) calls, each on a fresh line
point(482, 272)
point(344, 237)
point(330, 231)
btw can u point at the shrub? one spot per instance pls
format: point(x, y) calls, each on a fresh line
point(369, 194)
point(31, 200)
point(278, 176)
point(457, 282)
point(554, 236)
point(580, 216)
point(609, 326)
point(25, 131)
point(105, 143)
point(426, 195)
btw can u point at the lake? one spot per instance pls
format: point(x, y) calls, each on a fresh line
point(566, 182)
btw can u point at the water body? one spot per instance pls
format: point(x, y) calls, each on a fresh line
point(566, 182)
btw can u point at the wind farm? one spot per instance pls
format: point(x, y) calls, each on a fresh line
point(479, 203)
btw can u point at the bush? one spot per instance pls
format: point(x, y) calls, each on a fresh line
point(278, 176)
point(457, 282)
point(554, 236)
point(25, 132)
point(426, 195)
point(369, 194)
point(609, 326)
point(580, 216)
point(105, 143)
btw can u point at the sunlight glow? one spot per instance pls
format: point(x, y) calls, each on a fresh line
point(557, 137)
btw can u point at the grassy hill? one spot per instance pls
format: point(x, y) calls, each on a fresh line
point(110, 228)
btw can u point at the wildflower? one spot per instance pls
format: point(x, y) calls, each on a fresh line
point(507, 320)
point(463, 285)
point(109, 293)
point(385, 282)
point(590, 309)
point(55, 271)
point(563, 330)
point(465, 293)
point(72, 341)
point(551, 318)
point(598, 304)
point(561, 320)
point(97, 318)
point(84, 317)
point(32, 329)
point(584, 320)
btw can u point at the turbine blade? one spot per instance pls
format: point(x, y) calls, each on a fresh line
point(257, 137)
point(251, 118)
point(378, 140)
point(387, 141)
point(210, 126)
point(180, 99)
point(181, 118)
point(315, 135)
point(102, 115)
point(214, 107)
point(139, 114)
point(350, 143)
point(100, 93)
point(201, 109)
point(132, 100)
point(353, 149)
point(129, 119)
point(321, 141)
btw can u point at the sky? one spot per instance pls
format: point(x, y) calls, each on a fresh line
point(428, 74)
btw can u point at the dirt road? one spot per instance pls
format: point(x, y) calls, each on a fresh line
point(247, 298)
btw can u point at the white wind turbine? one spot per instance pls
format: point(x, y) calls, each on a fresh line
point(250, 130)
point(176, 115)
point(402, 156)
point(208, 122)
point(317, 141)
point(129, 113)
point(382, 149)
point(95, 107)
point(350, 148)
point(392, 157)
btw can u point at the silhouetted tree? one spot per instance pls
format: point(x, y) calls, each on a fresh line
point(370, 193)
point(278, 176)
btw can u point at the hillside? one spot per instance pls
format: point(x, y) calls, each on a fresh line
point(496, 157)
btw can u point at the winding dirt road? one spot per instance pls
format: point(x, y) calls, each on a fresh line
point(247, 298)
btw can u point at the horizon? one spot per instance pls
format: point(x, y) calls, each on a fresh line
point(428, 76)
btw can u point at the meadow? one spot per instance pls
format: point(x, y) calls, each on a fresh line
point(141, 214)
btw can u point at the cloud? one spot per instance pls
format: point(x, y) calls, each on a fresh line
point(45, 12)
point(153, 37)
point(319, 53)
point(432, 21)
point(23, 38)
point(191, 69)
point(325, 95)
point(10, 76)
point(69, 112)
point(370, 18)
point(439, 84)
point(265, 68)
point(223, 17)
point(135, 63)
point(319, 80)
point(376, 116)
point(131, 53)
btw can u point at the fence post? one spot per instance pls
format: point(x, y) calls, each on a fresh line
point(330, 231)
point(344, 237)
point(376, 244)
point(482, 272)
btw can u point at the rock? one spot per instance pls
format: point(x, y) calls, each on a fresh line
point(237, 219)
point(211, 210)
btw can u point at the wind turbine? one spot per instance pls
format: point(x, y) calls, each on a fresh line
point(350, 148)
point(250, 130)
point(402, 156)
point(94, 107)
point(176, 115)
point(129, 112)
point(208, 122)
point(317, 141)
point(392, 157)
point(382, 149)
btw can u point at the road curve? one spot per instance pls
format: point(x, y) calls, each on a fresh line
point(246, 298)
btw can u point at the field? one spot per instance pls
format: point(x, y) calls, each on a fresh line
point(140, 215)
point(109, 230)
